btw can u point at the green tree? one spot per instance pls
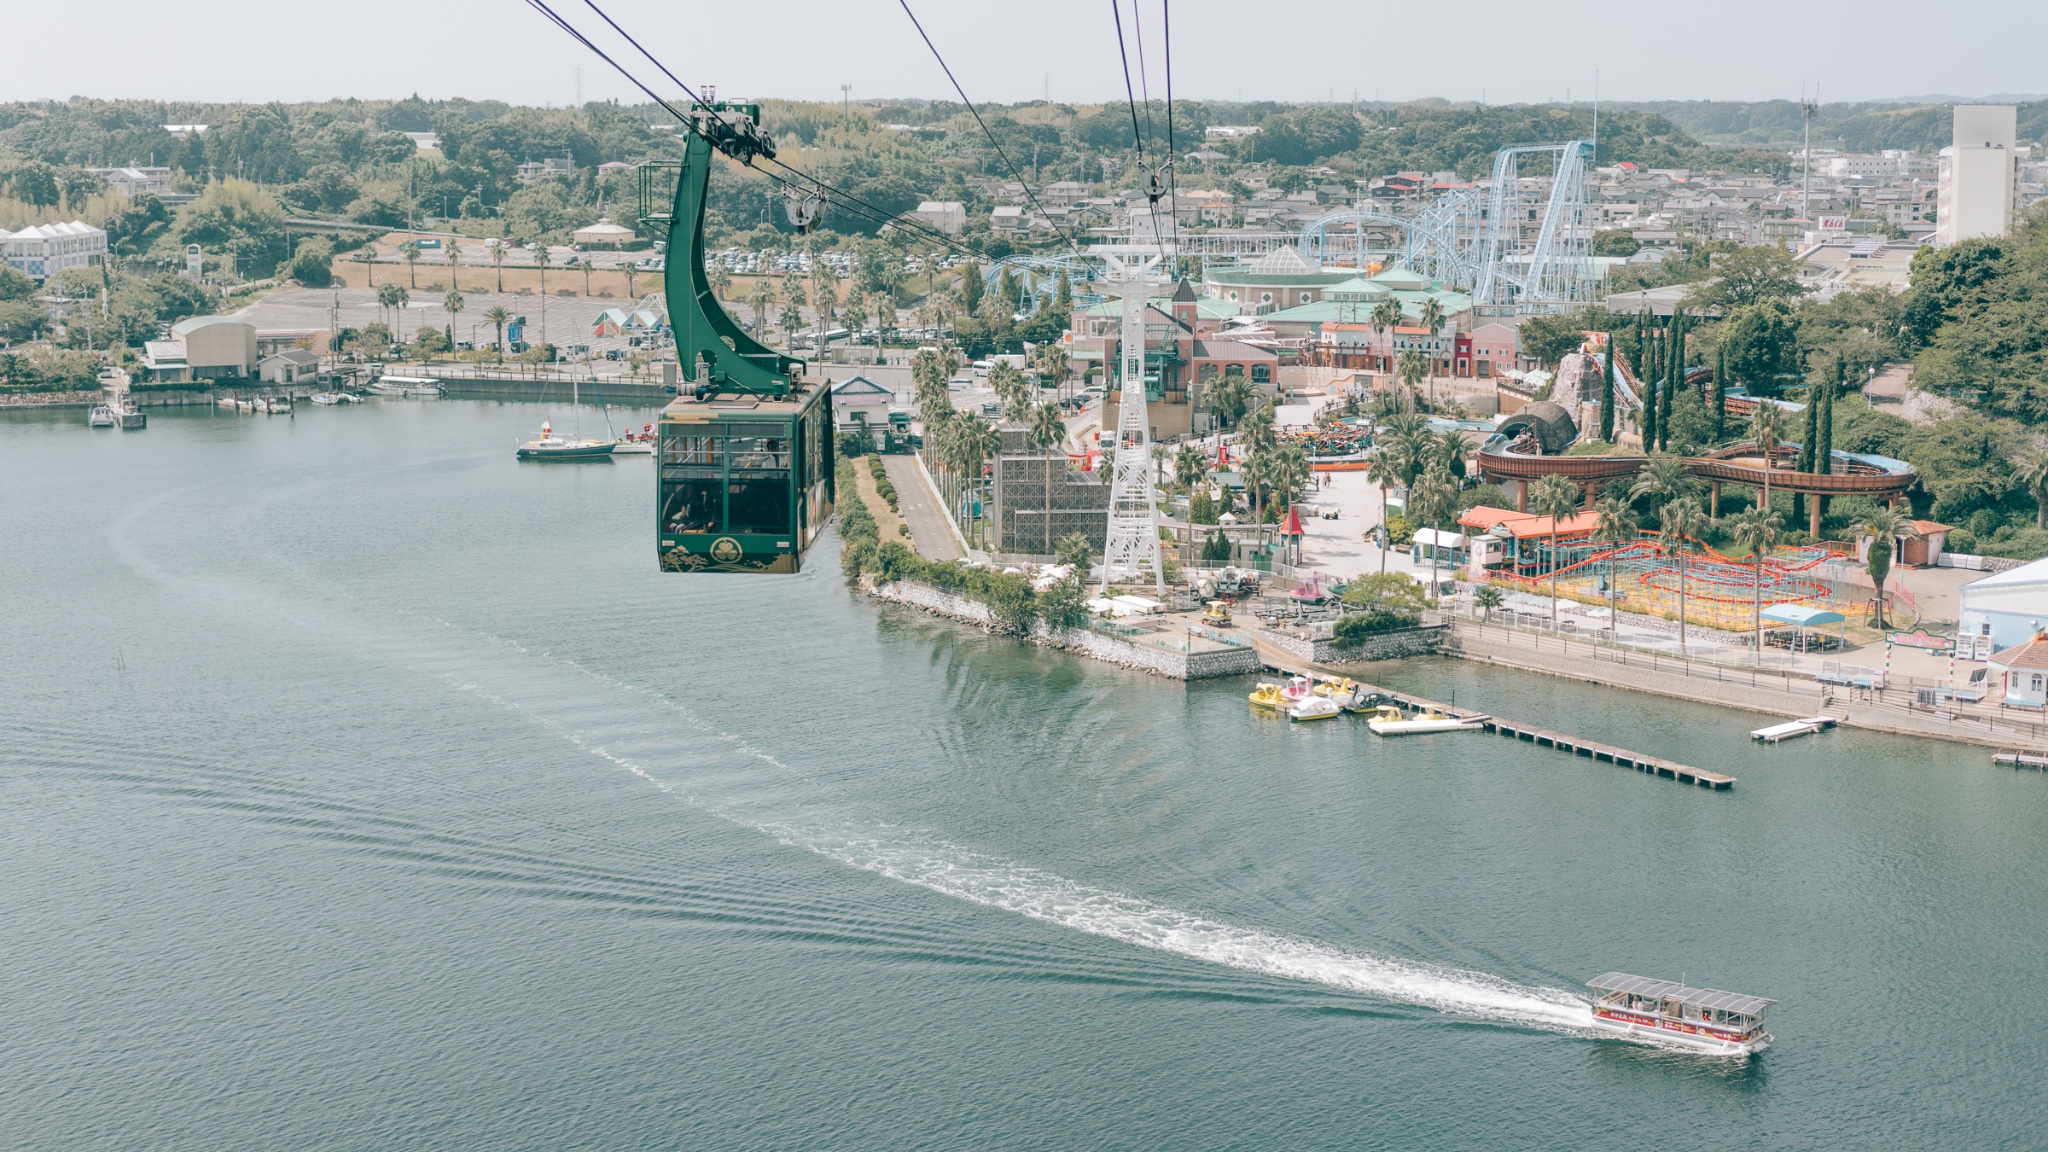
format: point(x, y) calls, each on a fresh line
point(453, 250)
point(409, 251)
point(452, 301)
point(1487, 599)
point(239, 217)
point(1682, 523)
point(1549, 339)
point(498, 317)
point(1048, 434)
point(1411, 370)
point(1383, 471)
point(1662, 480)
point(1881, 525)
point(1762, 345)
point(1757, 530)
point(1558, 499)
point(1748, 276)
point(2030, 472)
point(498, 248)
point(1432, 501)
point(1614, 525)
point(1075, 549)
point(1609, 381)
point(1766, 429)
point(1386, 315)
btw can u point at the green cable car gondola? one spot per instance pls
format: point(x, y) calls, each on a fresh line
point(744, 452)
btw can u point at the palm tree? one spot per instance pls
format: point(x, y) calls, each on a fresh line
point(1757, 530)
point(1615, 525)
point(1431, 500)
point(410, 253)
point(452, 301)
point(367, 257)
point(2031, 474)
point(1410, 370)
point(1433, 320)
point(760, 300)
point(1188, 464)
point(1383, 470)
point(720, 277)
point(497, 317)
point(1766, 428)
point(1052, 364)
point(1883, 525)
point(1047, 432)
point(1557, 498)
point(454, 251)
point(1662, 480)
point(1681, 523)
point(1385, 314)
point(1227, 399)
point(394, 296)
point(498, 261)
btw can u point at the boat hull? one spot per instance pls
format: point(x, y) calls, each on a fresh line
point(1678, 1034)
point(580, 452)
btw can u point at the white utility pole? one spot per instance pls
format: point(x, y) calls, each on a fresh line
point(1133, 542)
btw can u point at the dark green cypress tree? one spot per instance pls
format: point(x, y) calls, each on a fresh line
point(1607, 380)
point(1674, 379)
point(1720, 391)
point(1810, 439)
point(1652, 368)
point(1825, 454)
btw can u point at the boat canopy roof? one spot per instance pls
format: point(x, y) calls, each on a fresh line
point(1801, 615)
point(1734, 1002)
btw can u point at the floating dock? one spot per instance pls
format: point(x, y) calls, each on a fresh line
point(2019, 758)
point(1805, 726)
point(1542, 737)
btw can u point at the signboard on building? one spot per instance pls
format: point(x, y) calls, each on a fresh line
point(1834, 223)
point(193, 261)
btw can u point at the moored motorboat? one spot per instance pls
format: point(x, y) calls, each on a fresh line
point(101, 416)
point(1388, 720)
point(553, 447)
point(328, 398)
point(639, 443)
point(1664, 1012)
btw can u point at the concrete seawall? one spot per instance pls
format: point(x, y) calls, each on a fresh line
point(1729, 687)
point(1080, 641)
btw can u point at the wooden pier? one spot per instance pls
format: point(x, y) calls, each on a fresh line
point(1541, 737)
point(1669, 769)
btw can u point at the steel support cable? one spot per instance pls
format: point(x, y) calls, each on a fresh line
point(1130, 97)
point(874, 212)
point(1172, 178)
point(976, 113)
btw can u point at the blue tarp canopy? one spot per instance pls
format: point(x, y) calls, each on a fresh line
point(1801, 615)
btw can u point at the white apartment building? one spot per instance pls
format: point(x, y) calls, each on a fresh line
point(1979, 178)
point(948, 216)
point(44, 250)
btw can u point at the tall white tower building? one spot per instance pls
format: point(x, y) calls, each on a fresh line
point(1979, 190)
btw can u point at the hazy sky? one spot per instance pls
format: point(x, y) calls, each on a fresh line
point(1492, 49)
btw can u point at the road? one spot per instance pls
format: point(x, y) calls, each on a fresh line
point(929, 528)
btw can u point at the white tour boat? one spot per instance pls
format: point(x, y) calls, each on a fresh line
point(1389, 720)
point(1664, 1012)
point(101, 416)
point(417, 386)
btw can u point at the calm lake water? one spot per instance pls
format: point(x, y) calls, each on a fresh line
point(363, 788)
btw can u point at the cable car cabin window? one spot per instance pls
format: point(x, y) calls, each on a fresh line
point(758, 453)
point(694, 505)
point(758, 504)
point(704, 450)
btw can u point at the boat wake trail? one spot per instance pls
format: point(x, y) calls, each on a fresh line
point(1040, 895)
point(990, 881)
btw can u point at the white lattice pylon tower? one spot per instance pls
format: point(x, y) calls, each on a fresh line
point(1133, 542)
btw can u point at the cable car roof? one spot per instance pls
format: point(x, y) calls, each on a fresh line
point(1735, 1002)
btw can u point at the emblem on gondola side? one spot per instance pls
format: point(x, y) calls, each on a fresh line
point(725, 550)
